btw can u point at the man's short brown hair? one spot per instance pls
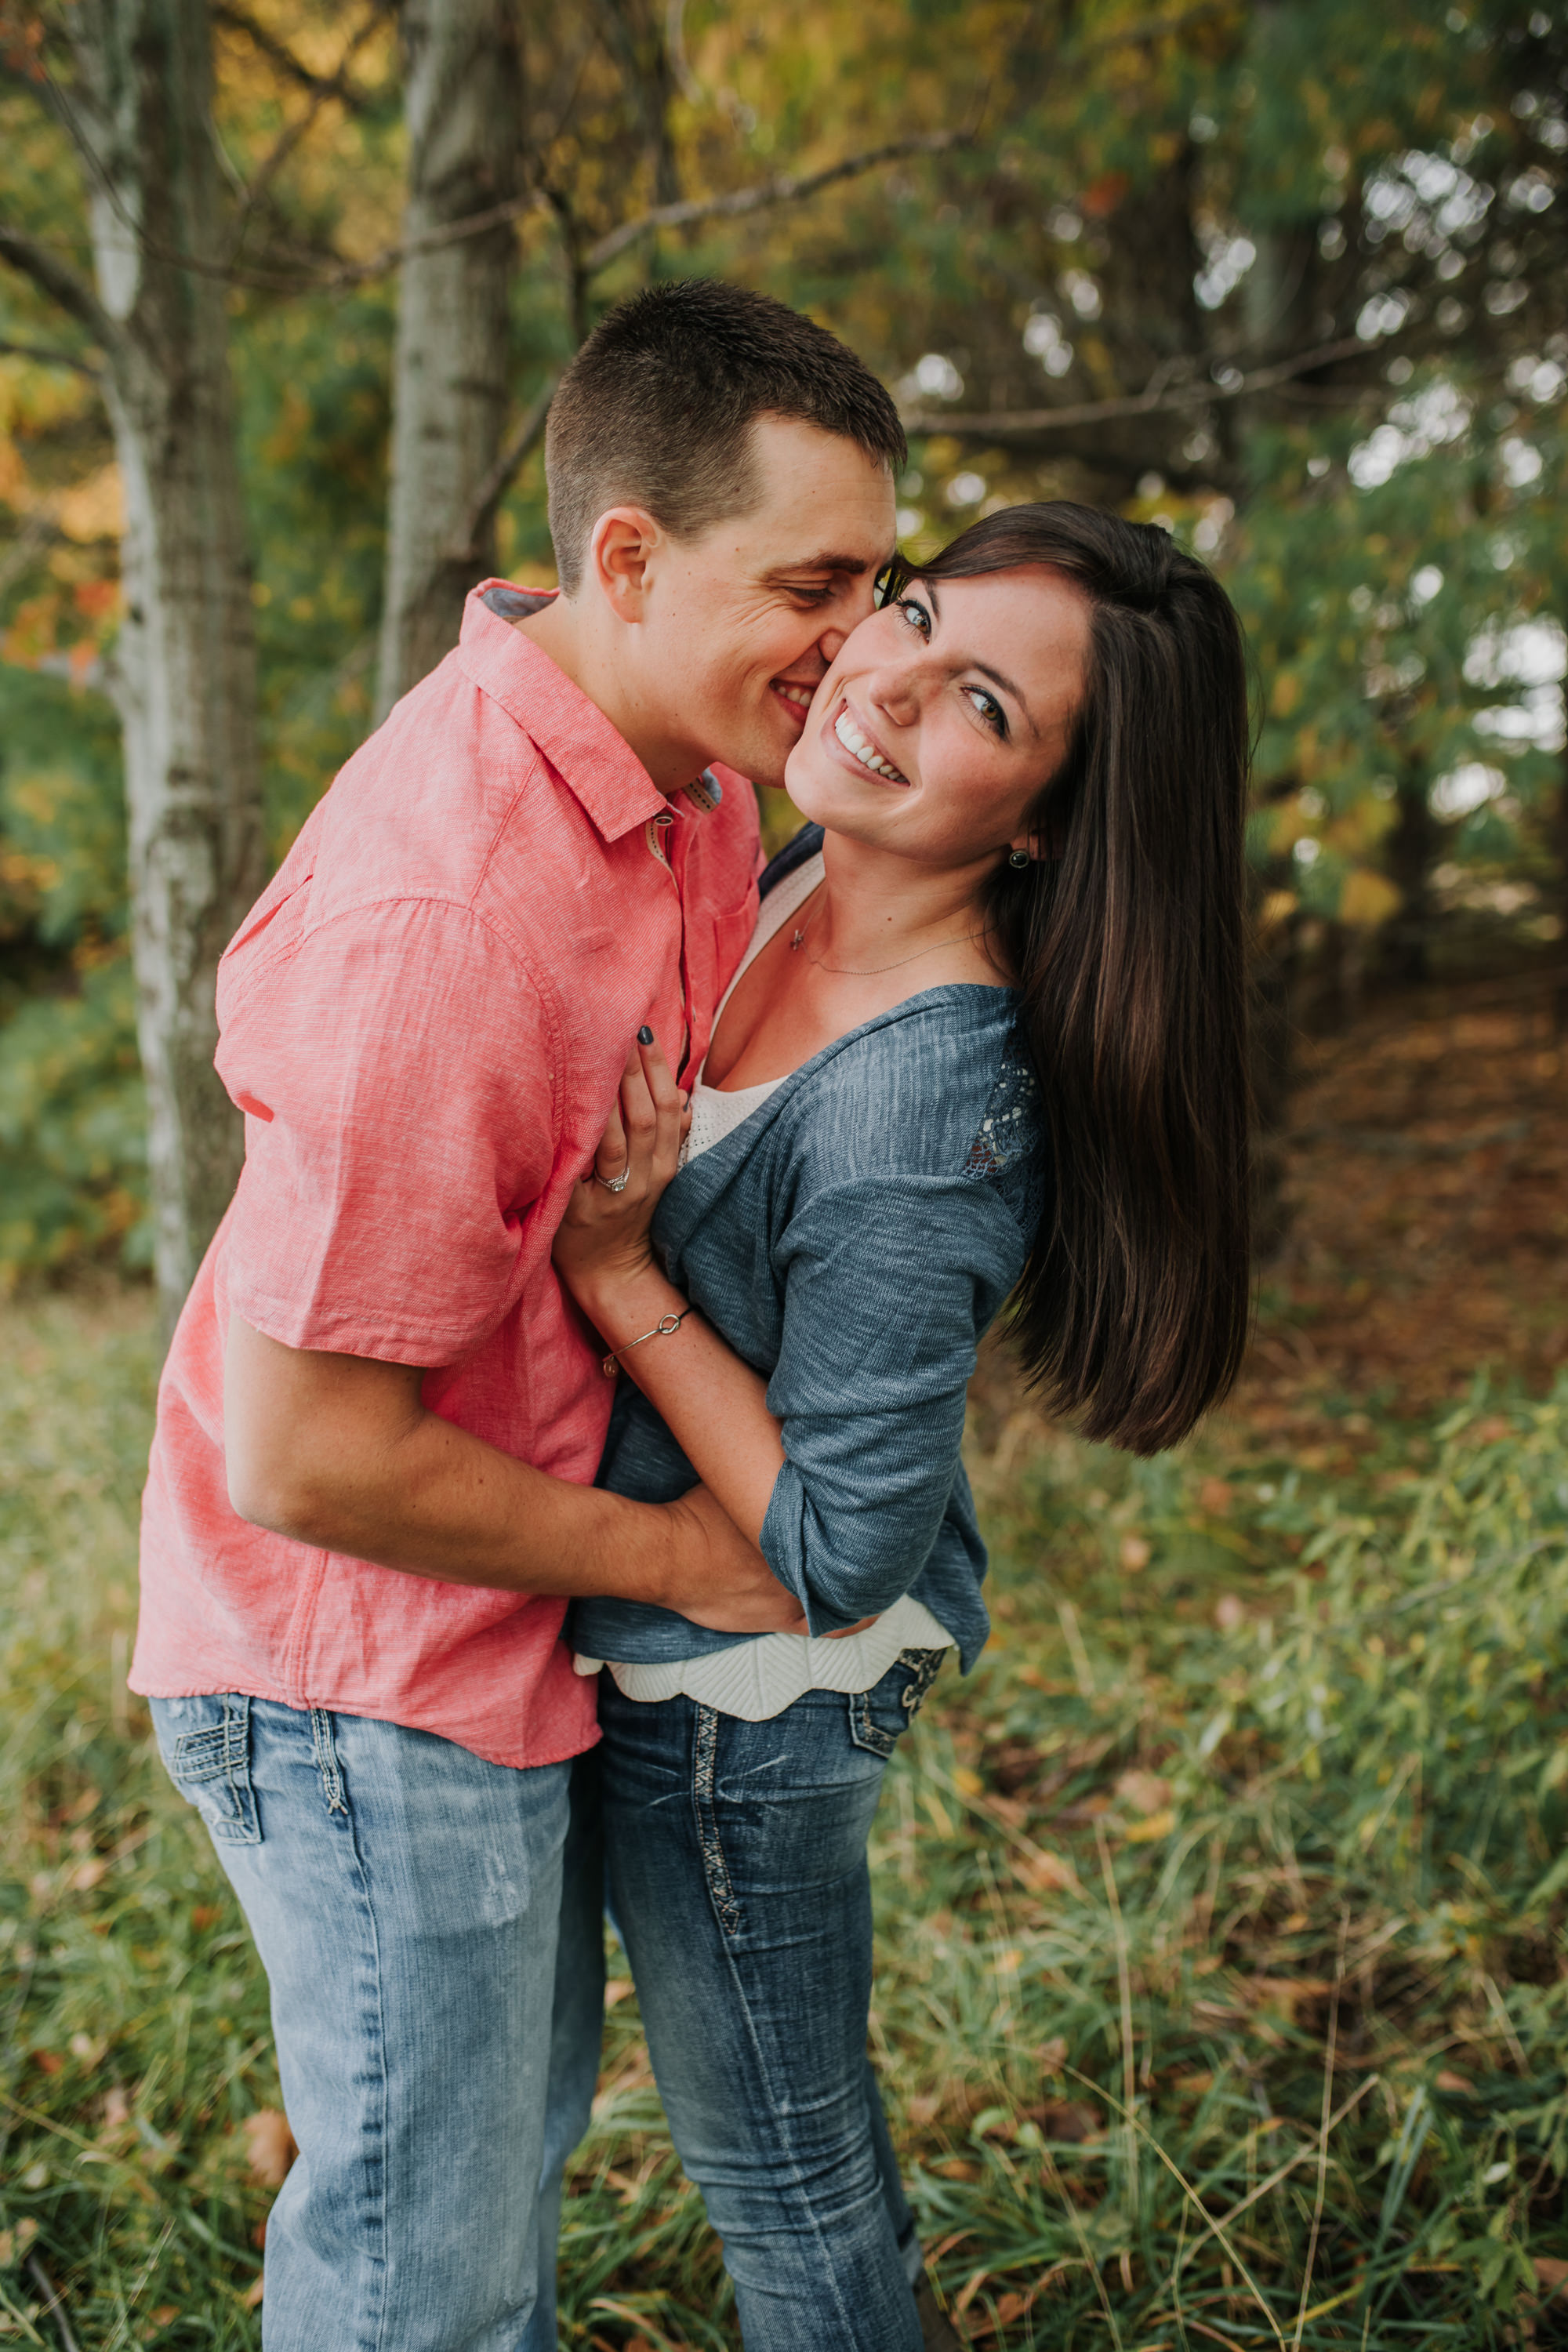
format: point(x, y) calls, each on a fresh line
point(656, 409)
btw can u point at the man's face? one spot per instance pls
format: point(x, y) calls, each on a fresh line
point(741, 623)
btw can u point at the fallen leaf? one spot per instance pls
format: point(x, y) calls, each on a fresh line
point(206, 1916)
point(1136, 1552)
point(164, 2315)
point(1215, 1497)
point(1192, 2086)
point(254, 2292)
point(922, 2108)
point(1146, 1792)
point(956, 2167)
point(1072, 2120)
point(1158, 1825)
point(1048, 1874)
point(87, 1875)
point(1285, 1995)
point(1550, 2273)
point(1448, 2081)
point(49, 2061)
point(1011, 2306)
point(616, 1990)
point(269, 2146)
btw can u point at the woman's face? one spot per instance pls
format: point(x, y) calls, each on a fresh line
point(943, 715)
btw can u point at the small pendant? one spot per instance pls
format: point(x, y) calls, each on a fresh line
point(795, 941)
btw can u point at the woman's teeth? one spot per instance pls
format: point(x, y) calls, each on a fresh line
point(849, 735)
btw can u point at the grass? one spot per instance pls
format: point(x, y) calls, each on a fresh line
point(1221, 1995)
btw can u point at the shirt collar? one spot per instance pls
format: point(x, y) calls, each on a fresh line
point(592, 758)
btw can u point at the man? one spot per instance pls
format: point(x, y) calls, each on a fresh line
point(369, 1487)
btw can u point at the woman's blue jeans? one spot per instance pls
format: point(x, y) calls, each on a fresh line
point(738, 1880)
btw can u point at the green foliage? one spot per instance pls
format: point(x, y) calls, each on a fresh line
point(1219, 1913)
point(1155, 201)
point(72, 1146)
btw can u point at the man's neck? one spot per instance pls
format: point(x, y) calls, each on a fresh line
point(563, 631)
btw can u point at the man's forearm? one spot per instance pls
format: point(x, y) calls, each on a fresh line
point(340, 1452)
point(439, 1502)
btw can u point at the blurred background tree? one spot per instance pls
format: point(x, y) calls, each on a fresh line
point(1288, 278)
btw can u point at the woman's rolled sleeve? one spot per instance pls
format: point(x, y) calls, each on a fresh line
point(889, 1282)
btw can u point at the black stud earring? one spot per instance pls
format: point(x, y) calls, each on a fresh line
point(1017, 859)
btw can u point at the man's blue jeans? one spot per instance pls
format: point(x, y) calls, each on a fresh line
point(739, 1883)
point(405, 1898)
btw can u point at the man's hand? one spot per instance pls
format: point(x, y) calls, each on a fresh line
point(740, 1601)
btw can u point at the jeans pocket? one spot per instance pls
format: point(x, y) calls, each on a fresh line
point(206, 1746)
point(878, 1716)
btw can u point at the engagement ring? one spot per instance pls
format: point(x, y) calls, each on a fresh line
point(613, 1183)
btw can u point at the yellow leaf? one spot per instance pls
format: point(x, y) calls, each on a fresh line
point(967, 1783)
point(937, 1812)
point(1158, 1825)
point(1367, 899)
point(1287, 693)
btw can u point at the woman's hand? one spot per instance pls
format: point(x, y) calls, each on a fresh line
point(603, 1242)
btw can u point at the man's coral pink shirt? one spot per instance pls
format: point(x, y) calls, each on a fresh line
point(424, 1020)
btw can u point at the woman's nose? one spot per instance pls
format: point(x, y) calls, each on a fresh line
point(895, 689)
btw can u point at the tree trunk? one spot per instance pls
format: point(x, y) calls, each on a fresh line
point(185, 660)
point(464, 100)
point(1412, 854)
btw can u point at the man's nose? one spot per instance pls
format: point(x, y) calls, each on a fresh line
point(856, 605)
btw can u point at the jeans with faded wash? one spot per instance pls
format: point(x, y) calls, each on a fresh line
point(406, 1899)
point(738, 1881)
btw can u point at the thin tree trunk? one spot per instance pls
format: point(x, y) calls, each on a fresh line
point(1412, 854)
point(185, 660)
point(464, 84)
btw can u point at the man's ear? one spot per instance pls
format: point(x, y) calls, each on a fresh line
point(619, 549)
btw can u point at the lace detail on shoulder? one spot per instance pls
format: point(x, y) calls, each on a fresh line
point(1007, 1151)
point(1010, 1129)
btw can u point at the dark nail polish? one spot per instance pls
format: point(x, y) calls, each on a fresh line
point(645, 1036)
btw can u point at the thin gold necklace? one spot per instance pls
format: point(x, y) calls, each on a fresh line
point(869, 971)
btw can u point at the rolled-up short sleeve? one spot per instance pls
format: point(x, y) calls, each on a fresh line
point(888, 1284)
point(395, 1069)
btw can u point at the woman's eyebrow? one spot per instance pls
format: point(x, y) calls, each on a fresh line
point(998, 677)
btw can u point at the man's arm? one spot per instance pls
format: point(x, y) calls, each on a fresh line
point(340, 1452)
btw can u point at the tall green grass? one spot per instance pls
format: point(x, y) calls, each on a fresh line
point(1221, 1995)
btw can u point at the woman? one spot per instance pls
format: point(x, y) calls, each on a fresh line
point(987, 1044)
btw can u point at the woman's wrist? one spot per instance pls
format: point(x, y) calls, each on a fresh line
point(622, 1307)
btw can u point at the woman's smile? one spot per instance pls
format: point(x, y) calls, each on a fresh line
point(862, 748)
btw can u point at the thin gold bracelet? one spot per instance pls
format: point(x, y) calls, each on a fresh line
point(661, 1330)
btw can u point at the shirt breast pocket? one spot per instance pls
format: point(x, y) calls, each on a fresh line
point(731, 938)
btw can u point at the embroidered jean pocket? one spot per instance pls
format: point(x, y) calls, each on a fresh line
point(878, 1716)
point(210, 1764)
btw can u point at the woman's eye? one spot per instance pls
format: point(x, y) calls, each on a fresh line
point(988, 707)
point(914, 613)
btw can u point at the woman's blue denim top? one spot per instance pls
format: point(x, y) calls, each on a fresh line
point(852, 1240)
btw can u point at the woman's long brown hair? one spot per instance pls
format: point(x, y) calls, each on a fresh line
point(1128, 938)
